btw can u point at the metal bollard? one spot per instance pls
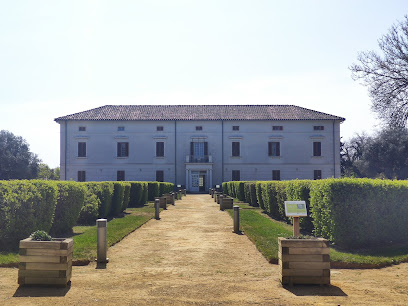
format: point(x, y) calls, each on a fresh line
point(174, 198)
point(102, 243)
point(236, 219)
point(157, 209)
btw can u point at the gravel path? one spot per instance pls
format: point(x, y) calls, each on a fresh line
point(192, 257)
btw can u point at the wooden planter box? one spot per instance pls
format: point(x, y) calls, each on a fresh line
point(219, 198)
point(45, 262)
point(163, 202)
point(169, 198)
point(304, 261)
point(226, 203)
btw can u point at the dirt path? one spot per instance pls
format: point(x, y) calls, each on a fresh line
point(192, 257)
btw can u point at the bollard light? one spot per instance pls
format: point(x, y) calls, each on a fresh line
point(157, 209)
point(236, 219)
point(102, 242)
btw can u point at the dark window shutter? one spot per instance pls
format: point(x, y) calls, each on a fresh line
point(269, 148)
point(278, 149)
point(205, 148)
point(192, 148)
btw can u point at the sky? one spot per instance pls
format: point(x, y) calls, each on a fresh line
point(63, 57)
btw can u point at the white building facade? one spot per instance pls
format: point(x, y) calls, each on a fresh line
point(199, 146)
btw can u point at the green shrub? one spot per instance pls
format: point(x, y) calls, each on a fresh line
point(259, 196)
point(166, 187)
point(138, 194)
point(118, 197)
point(90, 211)
point(360, 212)
point(40, 236)
point(104, 192)
point(153, 190)
point(126, 196)
point(70, 199)
point(44, 205)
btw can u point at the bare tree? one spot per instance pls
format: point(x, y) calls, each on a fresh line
point(386, 75)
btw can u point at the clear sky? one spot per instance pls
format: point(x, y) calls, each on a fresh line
point(62, 57)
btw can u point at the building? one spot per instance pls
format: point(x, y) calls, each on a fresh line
point(199, 146)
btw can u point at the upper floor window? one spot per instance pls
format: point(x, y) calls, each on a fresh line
point(82, 128)
point(317, 174)
point(81, 176)
point(273, 148)
point(159, 128)
point(235, 128)
point(236, 149)
point(317, 148)
point(121, 128)
point(277, 128)
point(123, 149)
point(318, 128)
point(199, 151)
point(159, 176)
point(120, 175)
point(236, 175)
point(276, 175)
point(159, 149)
point(199, 128)
point(81, 149)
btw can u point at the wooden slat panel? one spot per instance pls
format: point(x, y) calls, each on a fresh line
point(303, 243)
point(301, 280)
point(50, 252)
point(47, 266)
point(42, 273)
point(307, 251)
point(303, 258)
point(40, 259)
point(307, 265)
point(302, 272)
point(42, 281)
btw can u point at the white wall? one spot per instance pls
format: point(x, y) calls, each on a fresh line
point(296, 160)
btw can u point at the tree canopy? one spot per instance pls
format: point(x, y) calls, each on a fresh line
point(16, 160)
point(386, 75)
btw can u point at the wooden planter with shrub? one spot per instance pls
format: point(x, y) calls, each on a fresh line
point(45, 262)
point(163, 202)
point(226, 203)
point(169, 198)
point(304, 261)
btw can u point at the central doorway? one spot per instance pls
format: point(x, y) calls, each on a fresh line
point(198, 181)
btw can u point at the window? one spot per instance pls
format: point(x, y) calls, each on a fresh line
point(159, 149)
point(235, 128)
point(198, 152)
point(276, 175)
point(235, 149)
point(120, 175)
point(121, 128)
point(81, 149)
point(159, 128)
point(160, 176)
point(199, 128)
point(123, 149)
point(81, 176)
point(82, 129)
point(236, 175)
point(317, 174)
point(318, 128)
point(317, 148)
point(277, 128)
point(273, 148)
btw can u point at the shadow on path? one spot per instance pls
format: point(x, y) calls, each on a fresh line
point(41, 291)
point(315, 290)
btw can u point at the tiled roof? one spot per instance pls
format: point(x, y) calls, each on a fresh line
point(199, 112)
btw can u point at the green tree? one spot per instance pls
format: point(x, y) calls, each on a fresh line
point(47, 173)
point(16, 160)
point(386, 75)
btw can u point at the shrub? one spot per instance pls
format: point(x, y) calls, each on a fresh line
point(40, 236)
point(118, 198)
point(70, 199)
point(165, 188)
point(153, 190)
point(44, 205)
point(259, 197)
point(138, 194)
point(360, 212)
point(104, 192)
point(126, 196)
point(90, 211)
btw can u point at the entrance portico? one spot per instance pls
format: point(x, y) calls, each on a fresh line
point(198, 177)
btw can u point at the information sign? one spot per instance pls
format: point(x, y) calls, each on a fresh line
point(295, 209)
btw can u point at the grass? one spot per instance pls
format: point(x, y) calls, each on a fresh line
point(264, 232)
point(85, 237)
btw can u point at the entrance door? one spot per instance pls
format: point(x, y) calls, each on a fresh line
point(201, 182)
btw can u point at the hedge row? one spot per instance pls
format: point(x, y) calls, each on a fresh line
point(349, 212)
point(55, 207)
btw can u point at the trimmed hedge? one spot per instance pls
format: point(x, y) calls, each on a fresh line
point(138, 194)
point(360, 212)
point(166, 188)
point(104, 192)
point(24, 208)
point(153, 190)
point(70, 199)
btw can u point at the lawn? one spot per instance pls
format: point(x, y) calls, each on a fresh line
point(85, 238)
point(264, 232)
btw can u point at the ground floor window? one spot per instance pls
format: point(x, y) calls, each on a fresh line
point(236, 175)
point(81, 176)
point(317, 174)
point(159, 176)
point(276, 175)
point(120, 175)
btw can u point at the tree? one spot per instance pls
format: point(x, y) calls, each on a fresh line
point(16, 160)
point(386, 75)
point(352, 153)
point(46, 173)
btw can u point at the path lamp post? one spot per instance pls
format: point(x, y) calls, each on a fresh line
point(102, 242)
